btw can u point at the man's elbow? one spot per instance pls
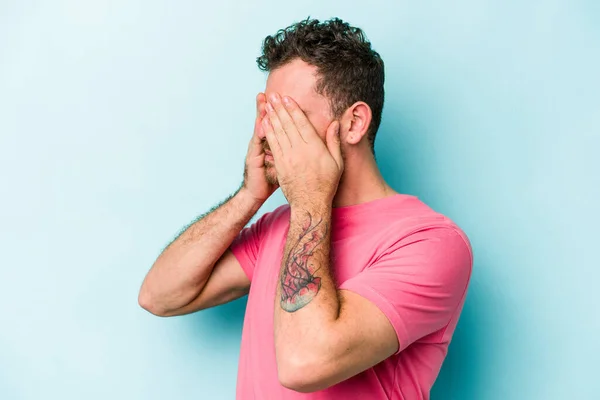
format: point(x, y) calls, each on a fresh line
point(301, 377)
point(146, 301)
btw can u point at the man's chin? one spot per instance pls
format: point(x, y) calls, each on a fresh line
point(272, 180)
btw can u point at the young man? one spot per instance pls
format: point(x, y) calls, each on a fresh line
point(354, 290)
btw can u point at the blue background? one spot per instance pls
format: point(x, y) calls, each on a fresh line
point(120, 121)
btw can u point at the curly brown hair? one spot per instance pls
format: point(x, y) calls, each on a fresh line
point(349, 69)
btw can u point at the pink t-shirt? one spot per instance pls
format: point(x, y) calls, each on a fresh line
point(410, 261)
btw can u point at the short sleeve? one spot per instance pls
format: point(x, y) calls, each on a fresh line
point(246, 244)
point(419, 282)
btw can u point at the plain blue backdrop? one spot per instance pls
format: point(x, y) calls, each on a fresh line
point(121, 121)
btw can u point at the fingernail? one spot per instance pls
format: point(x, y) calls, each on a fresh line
point(286, 101)
point(270, 107)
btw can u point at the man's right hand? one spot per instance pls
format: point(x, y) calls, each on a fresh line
point(255, 181)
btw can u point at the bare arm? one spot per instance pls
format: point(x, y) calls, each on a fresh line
point(317, 343)
point(197, 270)
point(337, 336)
point(182, 270)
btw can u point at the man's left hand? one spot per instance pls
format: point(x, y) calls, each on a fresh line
point(308, 169)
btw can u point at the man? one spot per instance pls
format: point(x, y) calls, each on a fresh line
point(354, 289)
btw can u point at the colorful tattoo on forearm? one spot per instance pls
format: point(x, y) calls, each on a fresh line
point(298, 283)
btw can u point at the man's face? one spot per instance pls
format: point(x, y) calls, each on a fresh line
point(297, 80)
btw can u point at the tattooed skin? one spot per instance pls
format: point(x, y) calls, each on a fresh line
point(298, 283)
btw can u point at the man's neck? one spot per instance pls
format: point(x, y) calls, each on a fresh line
point(361, 182)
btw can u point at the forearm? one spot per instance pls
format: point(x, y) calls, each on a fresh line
point(183, 268)
point(307, 302)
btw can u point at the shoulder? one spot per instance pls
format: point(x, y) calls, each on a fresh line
point(414, 230)
point(413, 216)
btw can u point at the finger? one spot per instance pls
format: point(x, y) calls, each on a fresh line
point(282, 136)
point(255, 147)
point(290, 128)
point(334, 143)
point(261, 100)
point(272, 139)
point(304, 126)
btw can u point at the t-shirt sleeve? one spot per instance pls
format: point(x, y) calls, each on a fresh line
point(246, 244)
point(419, 282)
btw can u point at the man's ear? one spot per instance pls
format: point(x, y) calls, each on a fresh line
point(355, 122)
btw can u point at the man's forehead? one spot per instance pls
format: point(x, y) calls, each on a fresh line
point(296, 80)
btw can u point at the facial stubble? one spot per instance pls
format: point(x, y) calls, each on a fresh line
point(270, 173)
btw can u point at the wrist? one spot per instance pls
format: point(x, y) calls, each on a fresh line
point(247, 200)
point(318, 207)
